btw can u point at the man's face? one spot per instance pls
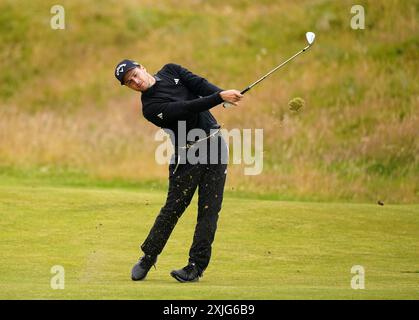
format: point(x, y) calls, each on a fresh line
point(137, 79)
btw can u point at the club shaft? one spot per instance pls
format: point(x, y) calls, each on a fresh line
point(273, 70)
point(227, 104)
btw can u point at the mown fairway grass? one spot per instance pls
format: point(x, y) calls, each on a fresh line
point(263, 249)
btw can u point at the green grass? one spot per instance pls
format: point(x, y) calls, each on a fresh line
point(263, 249)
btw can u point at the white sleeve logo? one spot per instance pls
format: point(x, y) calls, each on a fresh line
point(120, 68)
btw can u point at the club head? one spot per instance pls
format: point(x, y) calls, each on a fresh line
point(310, 36)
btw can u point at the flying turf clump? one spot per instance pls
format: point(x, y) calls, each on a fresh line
point(296, 104)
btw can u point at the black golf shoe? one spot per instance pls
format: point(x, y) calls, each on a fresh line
point(141, 268)
point(190, 273)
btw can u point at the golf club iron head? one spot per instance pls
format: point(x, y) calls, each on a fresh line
point(310, 36)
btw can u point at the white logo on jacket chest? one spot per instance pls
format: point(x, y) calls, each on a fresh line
point(160, 115)
point(176, 81)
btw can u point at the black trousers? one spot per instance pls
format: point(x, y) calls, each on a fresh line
point(184, 179)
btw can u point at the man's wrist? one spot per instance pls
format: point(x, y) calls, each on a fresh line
point(220, 98)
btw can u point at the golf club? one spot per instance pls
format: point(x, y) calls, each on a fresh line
point(310, 36)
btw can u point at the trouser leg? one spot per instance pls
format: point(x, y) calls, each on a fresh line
point(182, 186)
point(211, 189)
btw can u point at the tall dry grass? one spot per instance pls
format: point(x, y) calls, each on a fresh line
point(356, 139)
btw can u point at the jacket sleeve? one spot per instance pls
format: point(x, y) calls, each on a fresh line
point(164, 113)
point(196, 84)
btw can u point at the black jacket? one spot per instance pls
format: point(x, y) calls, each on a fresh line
point(177, 95)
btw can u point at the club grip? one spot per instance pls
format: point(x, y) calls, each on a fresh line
point(245, 90)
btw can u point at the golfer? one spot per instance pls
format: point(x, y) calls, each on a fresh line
point(175, 99)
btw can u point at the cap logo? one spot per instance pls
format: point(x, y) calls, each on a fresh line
point(120, 68)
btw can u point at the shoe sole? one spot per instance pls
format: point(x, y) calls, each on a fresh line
point(174, 275)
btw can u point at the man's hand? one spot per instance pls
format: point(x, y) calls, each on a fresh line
point(231, 96)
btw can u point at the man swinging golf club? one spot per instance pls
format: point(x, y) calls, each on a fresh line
point(171, 97)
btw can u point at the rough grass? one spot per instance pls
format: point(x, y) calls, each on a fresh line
point(356, 139)
point(263, 249)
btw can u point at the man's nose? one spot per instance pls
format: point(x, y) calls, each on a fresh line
point(136, 81)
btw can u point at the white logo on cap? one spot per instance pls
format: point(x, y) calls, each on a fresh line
point(120, 68)
point(176, 81)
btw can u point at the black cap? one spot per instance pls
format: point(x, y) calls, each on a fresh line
point(123, 67)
